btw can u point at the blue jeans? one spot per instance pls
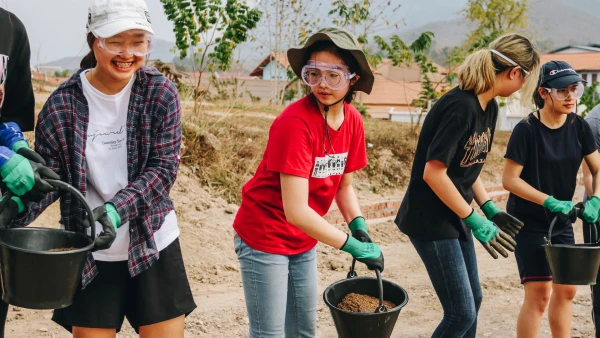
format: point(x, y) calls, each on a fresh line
point(452, 268)
point(281, 292)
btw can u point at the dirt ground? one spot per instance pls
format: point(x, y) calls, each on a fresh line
point(213, 271)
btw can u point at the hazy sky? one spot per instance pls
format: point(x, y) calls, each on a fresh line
point(56, 28)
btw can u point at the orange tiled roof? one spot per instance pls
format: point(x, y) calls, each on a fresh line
point(579, 61)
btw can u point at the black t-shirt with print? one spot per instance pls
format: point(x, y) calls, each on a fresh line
point(16, 93)
point(458, 133)
point(551, 159)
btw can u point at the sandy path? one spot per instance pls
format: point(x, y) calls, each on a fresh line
point(214, 275)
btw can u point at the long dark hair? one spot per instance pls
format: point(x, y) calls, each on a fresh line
point(89, 61)
point(346, 56)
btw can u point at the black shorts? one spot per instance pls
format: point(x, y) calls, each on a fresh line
point(158, 294)
point(531, 256)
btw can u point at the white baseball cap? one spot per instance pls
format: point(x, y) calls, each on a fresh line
point(107, 18)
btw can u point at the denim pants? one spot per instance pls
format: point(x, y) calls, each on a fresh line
point(281, 292)
point(452, 268)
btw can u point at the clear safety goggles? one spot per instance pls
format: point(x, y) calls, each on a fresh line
point(140, 44)
point(576, 89)
point(335, 76)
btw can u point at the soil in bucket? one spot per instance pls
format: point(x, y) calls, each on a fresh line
point(62, 249)
point(354, 302)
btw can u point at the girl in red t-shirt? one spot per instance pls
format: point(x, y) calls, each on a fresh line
point(314, 147)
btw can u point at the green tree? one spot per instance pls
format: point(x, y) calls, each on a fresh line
point(209, 30)
point(590, 97)
point(363, 18)
point(493, 18)
point(402, 54)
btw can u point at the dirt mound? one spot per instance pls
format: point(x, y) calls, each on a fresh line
point(353, 302)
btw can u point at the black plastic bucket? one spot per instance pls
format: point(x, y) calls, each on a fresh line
point(574, 264)
point(34, 277)
point(363, 325)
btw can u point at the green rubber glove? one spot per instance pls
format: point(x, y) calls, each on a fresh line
point(22, 148)
point(506, 222)
point(591, 211)
point(18, 175)
point(368, 253)
point(554, 205)
point(483, 229)
point(358, 227)
point(110, 220)
point(10, 211)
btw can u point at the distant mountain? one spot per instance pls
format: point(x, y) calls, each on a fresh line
point(554, 23)
point(70, 63)
point(554, 27)
point(591, 7)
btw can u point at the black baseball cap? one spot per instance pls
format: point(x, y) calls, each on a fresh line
point(558, 74)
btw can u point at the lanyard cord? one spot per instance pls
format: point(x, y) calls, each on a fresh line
point(326, 109)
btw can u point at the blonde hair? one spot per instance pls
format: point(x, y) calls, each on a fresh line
point(478, 71)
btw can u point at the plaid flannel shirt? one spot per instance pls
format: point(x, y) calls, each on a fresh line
point(153, 155)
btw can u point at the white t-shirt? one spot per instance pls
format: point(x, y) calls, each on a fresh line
point(106, 164)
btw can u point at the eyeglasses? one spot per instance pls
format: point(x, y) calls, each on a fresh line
point(576, 89)
point(138, 45)
point(335, 76)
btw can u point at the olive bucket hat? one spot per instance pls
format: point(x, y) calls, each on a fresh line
point(343, 40)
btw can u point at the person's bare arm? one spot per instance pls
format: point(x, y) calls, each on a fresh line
point(592, 165)
point(481, 195)
point(512, 182)
point(346, 199)
point(587, 179)
point(294, 192)
point(436, 176)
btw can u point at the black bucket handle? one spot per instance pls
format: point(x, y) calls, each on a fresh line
point(67, 187)
point(352, 273)
point(578, 212)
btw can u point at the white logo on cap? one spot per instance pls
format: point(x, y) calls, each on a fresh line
point(553, 72)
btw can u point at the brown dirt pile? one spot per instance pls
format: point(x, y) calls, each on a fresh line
point(354, 302)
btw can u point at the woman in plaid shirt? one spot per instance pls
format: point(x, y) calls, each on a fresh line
point(113, 131)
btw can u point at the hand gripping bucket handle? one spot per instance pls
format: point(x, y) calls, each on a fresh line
point(352, 273)
point(577, 212)
point(67, 187)
point(573, 264)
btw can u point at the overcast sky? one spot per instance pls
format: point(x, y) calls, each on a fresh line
point(56, 28)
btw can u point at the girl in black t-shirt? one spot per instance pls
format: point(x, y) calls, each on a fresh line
point(436, 211)
point(543, 157)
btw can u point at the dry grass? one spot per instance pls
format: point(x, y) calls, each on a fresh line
point(242, 132)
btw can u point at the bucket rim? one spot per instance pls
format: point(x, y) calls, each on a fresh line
point(398, 307)
point(580, 246)
point(51, 253)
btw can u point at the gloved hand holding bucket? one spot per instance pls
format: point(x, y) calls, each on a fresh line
point(34, 274)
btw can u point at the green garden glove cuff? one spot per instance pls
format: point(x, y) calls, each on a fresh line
point(555, 205)
point(358, 223)
point(483, 229)
point(20, 205)
point(360, 250)
point(592, 209)
point(489, 209)
point(112, 213)
point(18, 145)
point(18, 175)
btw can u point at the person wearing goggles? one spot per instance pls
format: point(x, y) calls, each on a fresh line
point(334, 76)
point(315, 145)
point(113, 131)
point(436, 212)
point(543, 157)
